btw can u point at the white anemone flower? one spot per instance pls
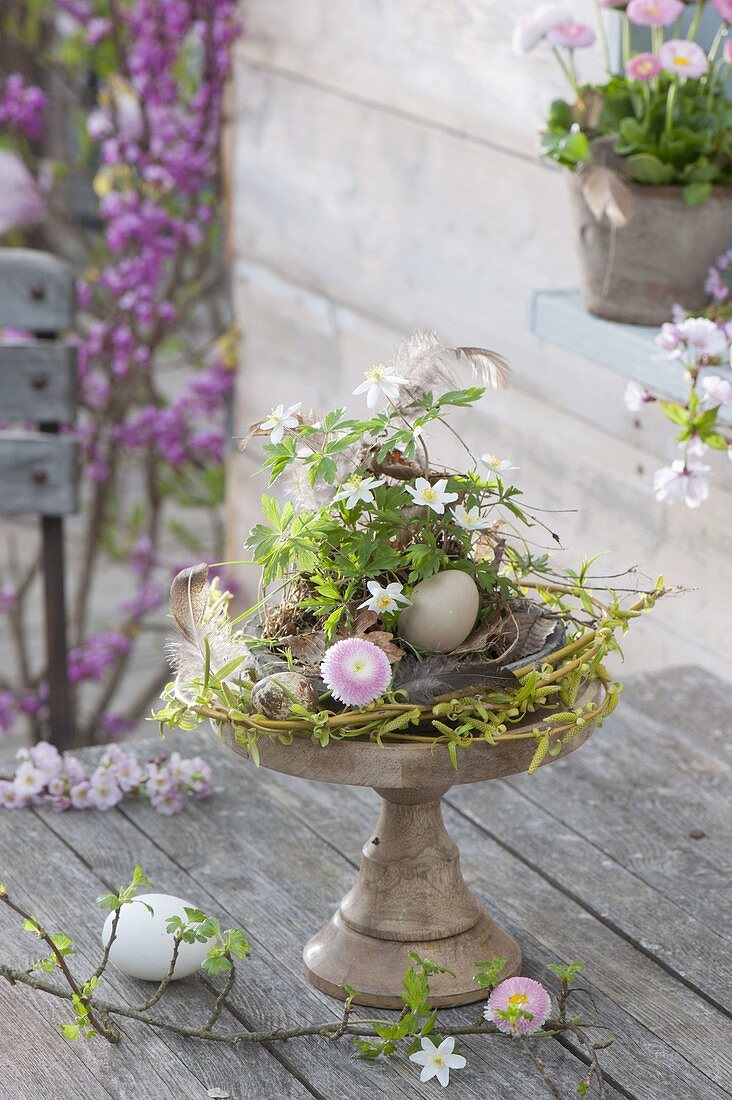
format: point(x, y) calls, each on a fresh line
point(431, 496)
point(687, 481)
point(470, 519)
point(437, 1061)
point(279, 419)
point(356, 489)
point(384, 598)
point(497, 465)
point(379, 380)
point(528, 32)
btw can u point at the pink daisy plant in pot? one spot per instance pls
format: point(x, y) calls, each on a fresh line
point(409, 636)
point(648, 148)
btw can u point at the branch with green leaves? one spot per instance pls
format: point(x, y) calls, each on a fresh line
point(418, 1032)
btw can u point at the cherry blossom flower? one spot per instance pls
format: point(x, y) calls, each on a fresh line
point(636, 396)
point(280, 418)
point(437, 1061)
point(529, 32)
point(434, 496)
point(681, 56)
point(693, 340)
point(497, 465)
point(571, 35)
point(29, 779)
point(379, 381)
point(518, 1006)
point(9, 797)
point(716, 390)
point(643, 67)
point(104, 790)
point(20, 199)
point(384, 598)
point(470, 519)
point(668, 338)
point(682, 480)
point(356, 672)
point(654, 13)
point(357, 489)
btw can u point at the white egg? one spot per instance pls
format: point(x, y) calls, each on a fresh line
point(442, 611)
point(143, 948)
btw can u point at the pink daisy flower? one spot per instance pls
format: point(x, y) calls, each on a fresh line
point(518, 1006)
point(728, 49)
point(683, 57)
point(654, 13)
point(356, 672)
point(571, 35)
point(724, 8)
point(643, 66)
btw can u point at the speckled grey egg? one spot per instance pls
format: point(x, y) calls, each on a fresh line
point(274, 695)
point(442, 612)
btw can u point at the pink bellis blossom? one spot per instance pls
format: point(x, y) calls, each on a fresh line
point(727, 51)
point(571, 35)
point(644, 66)
point(683, 58)
point(21, 202)
point(531, 30)
point(518, 1006)
point(654, 13)
point(356, 672)
point(687, 481)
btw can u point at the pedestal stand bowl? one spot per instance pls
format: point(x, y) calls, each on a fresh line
point(410, 894)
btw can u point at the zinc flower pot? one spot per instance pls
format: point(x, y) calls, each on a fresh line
point(637, 272)
point(410, 894)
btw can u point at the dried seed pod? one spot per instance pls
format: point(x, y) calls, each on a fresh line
point(274, 695)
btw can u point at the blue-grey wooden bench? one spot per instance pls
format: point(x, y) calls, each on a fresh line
point(39, 467)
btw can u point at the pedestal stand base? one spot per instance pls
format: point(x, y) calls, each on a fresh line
point(375, 967)
point(410, 895)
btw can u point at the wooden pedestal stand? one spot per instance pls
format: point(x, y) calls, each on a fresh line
point(410, 894)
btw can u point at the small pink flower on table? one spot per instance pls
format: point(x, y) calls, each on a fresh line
point(654, 13)
point(356, 672)
point(687, 481)
point(518, 1006)
point(437, 1061)
point(571, 35)
point(644, 66)
point(683, 58)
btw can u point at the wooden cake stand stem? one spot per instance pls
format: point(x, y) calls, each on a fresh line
point(410, 895)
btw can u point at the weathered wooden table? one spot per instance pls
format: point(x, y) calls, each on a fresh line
point(619, 856)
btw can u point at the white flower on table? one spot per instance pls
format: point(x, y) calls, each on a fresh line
point(437, 1061)
point(280, 418)
point(357, 488)
point(432, 496)
point(379, 380)
point(687, 481)
point(384, 598)
point(470, 519)
point(497, 465)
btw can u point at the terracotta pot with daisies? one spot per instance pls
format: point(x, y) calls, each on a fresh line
point(649, 151)
point(409, 638)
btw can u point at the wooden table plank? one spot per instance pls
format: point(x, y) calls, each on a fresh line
point(280, 881)
point(43, 872)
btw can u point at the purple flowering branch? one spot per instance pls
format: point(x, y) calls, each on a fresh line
point(153, 142)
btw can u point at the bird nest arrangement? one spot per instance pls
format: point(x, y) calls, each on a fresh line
point(401, 599)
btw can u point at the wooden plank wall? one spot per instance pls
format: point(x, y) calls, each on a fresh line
point(385, 177)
